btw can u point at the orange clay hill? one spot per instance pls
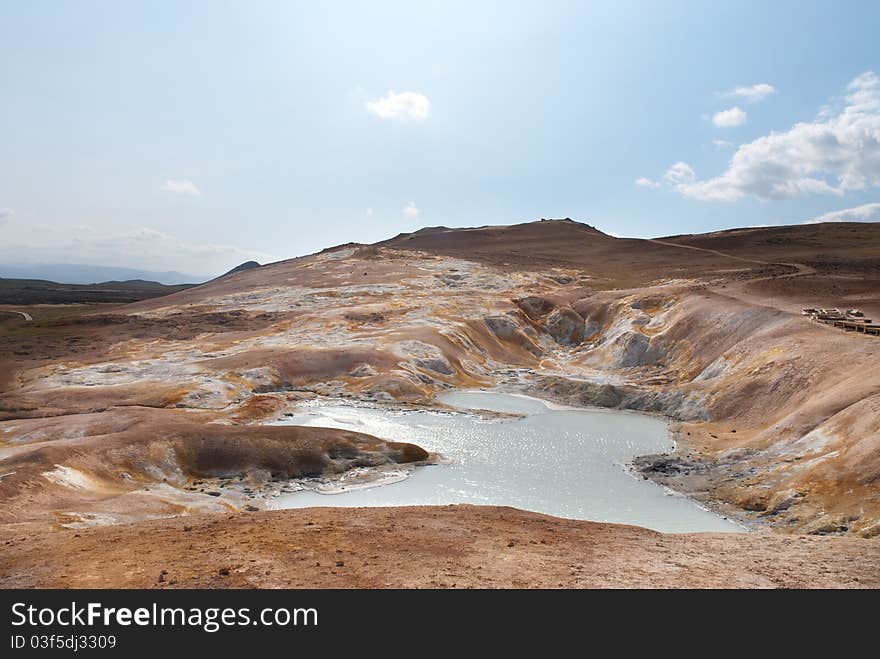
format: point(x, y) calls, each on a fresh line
point(134, 449)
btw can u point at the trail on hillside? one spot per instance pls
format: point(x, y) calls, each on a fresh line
point(801, 271)
point(710, 251)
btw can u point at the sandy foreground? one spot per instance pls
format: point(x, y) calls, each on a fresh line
point(423, 547)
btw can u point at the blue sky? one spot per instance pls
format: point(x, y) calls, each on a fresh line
point(195, 135)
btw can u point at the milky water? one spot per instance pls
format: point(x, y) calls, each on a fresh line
point(559, 461)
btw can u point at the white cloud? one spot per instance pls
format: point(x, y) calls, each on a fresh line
point(836, 153)
point(863, 213)
point(369, 212)
point(181, 186)
point(5, 214)
point(722, 144)
point(729, 118)
point(645, 182)
point(405, 105)
point(752, 93)
point(679, 174)
point(410, 210)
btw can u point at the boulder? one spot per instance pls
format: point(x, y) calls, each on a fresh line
point(665, 465)
point(635, 349)
point(436, 364)
point(566, 327)
point(591, 328)
point(829, 524)
point(505, 328)
point(501, 326)
point(535, 307)
point(363, 371)
point(782, 501)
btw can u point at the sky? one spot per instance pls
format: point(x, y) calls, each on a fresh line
point(192, 136)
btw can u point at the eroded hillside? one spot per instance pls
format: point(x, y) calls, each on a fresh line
point(120, 414)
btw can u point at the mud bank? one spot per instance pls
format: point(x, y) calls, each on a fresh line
point(149, 463)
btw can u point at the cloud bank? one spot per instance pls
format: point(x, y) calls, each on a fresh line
point(143, 247)
point(836, 153)
point(863, 213)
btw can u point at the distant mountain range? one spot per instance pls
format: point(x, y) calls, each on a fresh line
point(38, 291)
point(70, 273)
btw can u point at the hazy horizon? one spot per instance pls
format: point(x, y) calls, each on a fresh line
point(191, 137)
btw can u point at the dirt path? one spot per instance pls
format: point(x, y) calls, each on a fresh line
point(736, 291)
point(423, 547)
point(800, 267)
point(710, 251)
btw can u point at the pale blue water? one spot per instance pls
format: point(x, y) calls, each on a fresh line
point(562, 462)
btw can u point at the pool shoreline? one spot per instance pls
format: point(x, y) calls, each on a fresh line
point(375, 478)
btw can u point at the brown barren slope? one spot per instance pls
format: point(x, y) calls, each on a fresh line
point(108, 415)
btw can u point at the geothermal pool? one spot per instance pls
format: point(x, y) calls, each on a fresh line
point(560, 461)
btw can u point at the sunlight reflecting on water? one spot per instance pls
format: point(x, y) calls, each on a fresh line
point(559, 461)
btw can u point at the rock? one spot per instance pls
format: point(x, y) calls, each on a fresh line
point(755, 502)
point(501, 326)
point(535, 307)
point(829, 524)
point(363, 371)
point(257, 477)
point(718, 367)
point(436, 364)
point(651, 302)
point(635, 349)
point(591, 328)
point(365, 317)
point(566, 327)
point(870, 531)
point(451, 280)
point(425, 355)
point(403, 452)
point(665, 465)
point(782, 501)
point(504, 327)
